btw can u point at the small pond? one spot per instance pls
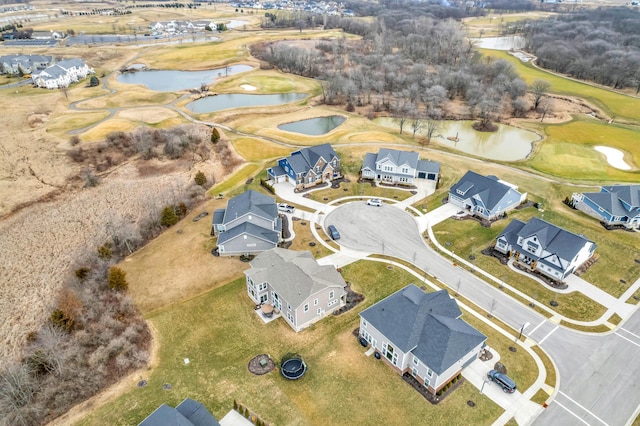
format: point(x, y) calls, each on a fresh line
point(500, 43)
point(314, 126)
point(241, 100)
point(172, 81)
point(506, 144)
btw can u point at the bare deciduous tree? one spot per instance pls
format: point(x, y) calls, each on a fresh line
point(539, 88)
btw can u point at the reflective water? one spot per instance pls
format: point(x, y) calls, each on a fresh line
point(314, 126)
point(171, 81)
point(240, 100)
point(500, 43)
point(508, 143)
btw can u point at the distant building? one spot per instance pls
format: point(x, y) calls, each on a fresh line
point(187, 413)
point(544, 247)
point(62, 74)
point(24, 64)
point(617, 205)
point(398, 167)
point(485, 196)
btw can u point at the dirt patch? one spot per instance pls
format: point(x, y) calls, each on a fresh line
point(261, 364)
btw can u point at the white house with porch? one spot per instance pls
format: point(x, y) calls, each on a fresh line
point(398, 167)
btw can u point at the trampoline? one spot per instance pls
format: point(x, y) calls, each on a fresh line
point(293, 368)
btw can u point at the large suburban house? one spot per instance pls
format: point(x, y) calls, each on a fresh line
point(299, 288)
point(544, 247)
point(187, 413)
point(307, 167)
point(422, 334)
point(617, 205)
point(250, 224)
point(485, 196)
point(24, 64)
point(62, 74)
point(398, 167)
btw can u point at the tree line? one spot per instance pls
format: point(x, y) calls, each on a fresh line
point(600, 45)
point(410, 67)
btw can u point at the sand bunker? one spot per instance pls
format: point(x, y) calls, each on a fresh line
point(248, 87)
point(615, 157)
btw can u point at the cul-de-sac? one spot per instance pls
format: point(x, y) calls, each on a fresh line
point(316, 212)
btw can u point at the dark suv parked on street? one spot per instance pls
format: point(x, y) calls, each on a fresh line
point(503, 380)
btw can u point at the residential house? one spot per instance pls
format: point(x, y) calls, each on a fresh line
point(62, 74)
point(302, 290)
point(544, 247)
point(398, 167)
point(187, 413)
point(250, 224)
point(307, 167)
point(617, 205)
point(422, 334)
point(485, 196)
point(24, 64)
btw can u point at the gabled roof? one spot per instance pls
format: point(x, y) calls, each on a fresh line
point(426, 324)
point(611, 199)
point(554, 239)
point(251, 202)
point(369, 161)
point(70, 63)
point(512, 230)
point(251, 229)
point(187, 413)
point(294, 275)
point(399, 157)
point(488, 189)
point(303, 160)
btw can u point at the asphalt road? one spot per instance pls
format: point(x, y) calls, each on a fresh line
point(597, 373)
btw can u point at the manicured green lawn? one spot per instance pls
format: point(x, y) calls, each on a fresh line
point(568, 151)
point(614, 104)
point(241, 175)
point(219, 333)
point(353, 188)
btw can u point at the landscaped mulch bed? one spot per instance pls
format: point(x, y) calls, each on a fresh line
point(256, 364)
point(352, 300)
point(434, 399)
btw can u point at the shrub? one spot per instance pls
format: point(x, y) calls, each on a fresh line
point(200, 178)
point(215, 135)
point(181, 210)
point(75, 140)
point(81, 273)
point(94, 81)
point(350, 107)
point(105, 251)
point(169, 217)
point(117, 279)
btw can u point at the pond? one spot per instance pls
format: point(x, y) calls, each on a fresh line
point(314, 126)
point(508, 143)
point(172, 81)
point(500, 43)
point(615, 157)
point(241, 100)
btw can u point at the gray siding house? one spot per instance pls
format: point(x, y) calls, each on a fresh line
point(24, 64)
point(307, 167)
point(296, 285)
point(616, 205)
point(485, 196)
point(250, 224)
point(422, 334)
point(544, 247)
point(398, 167)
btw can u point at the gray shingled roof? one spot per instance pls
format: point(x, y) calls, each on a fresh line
point(251, 229)
point(510, 233)
point(611, 200)
point(278, 171)
point(187, 413)
point(428, 166)
point(218, 217)
point(426, 324)
point(553, 238)
point(370, 161)
point(70, 63)
point(399, 157)
point(487, 188)
point(303, 160)
point(251, 202)
point(294, 275)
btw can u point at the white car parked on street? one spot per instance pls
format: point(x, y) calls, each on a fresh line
point(374, 202)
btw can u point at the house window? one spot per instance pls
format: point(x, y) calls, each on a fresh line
point(290, 317)
point(331, 294)
point(426, 382)
point(364, 323)
point(317, 169)
point(263, 287)
point(318, 311)
point(306, 307)
point(333, 302)
point(414, 372)
point(429, 372)
point(315, 302)
point(389, 352)
point(415, 361)
point(405, 170)
point(289, 307)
